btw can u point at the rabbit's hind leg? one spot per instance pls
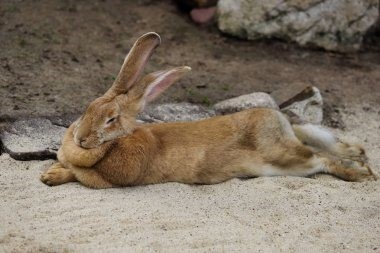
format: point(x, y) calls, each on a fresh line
point(57, 175)
point(344, 169)
point(349, 170)
point(352, 152)
point(324, 140)
point(297, 159)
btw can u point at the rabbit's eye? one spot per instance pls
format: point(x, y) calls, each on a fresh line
point(111, 120)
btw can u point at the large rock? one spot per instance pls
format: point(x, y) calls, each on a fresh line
point(32, 139)
point(175, 112)
point(253, 100)
point(305, 107)
point(337, 25)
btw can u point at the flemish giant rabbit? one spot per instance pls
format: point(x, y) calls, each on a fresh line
point(107, 148)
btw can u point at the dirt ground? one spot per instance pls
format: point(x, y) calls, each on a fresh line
point(56, 56)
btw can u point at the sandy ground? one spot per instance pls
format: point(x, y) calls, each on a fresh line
point(288, 214)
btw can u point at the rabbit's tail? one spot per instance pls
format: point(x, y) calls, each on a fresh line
point(315, 136)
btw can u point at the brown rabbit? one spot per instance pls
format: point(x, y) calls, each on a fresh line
point(107, 148)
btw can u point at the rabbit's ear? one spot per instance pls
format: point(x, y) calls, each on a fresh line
point(134, 63)
point(153, 84)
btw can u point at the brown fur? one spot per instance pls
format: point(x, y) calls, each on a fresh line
point(107, 148)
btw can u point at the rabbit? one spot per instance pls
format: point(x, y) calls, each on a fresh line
point(106, 147)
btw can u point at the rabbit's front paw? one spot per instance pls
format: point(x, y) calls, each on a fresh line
point(57, 175)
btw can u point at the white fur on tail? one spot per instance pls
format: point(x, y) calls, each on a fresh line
point(315, 136)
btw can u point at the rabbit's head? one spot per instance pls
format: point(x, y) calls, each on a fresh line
point(114, 114)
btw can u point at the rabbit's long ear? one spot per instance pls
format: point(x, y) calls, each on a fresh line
point(153, 84)
point(134, 63)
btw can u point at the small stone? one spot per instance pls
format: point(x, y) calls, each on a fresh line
point(306, 106)
point(253, 100)
point(32, 139)
point(175, 112)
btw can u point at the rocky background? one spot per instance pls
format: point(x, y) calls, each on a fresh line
point(317, 61)
point(328, 24)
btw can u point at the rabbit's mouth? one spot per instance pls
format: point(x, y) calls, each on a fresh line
point(89, 143)
point(84, 138)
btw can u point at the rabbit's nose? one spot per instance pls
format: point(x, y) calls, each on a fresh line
point(82, 140)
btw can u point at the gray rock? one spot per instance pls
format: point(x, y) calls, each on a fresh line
point(175, 112)
point(64, 120)
point(253, 100)
point(305, 107)
point(31, 139)
point(337, 25)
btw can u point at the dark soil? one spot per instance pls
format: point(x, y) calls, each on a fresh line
point(57, 56)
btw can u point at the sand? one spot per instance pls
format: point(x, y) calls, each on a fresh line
point(288, 214)
point(49, 69)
